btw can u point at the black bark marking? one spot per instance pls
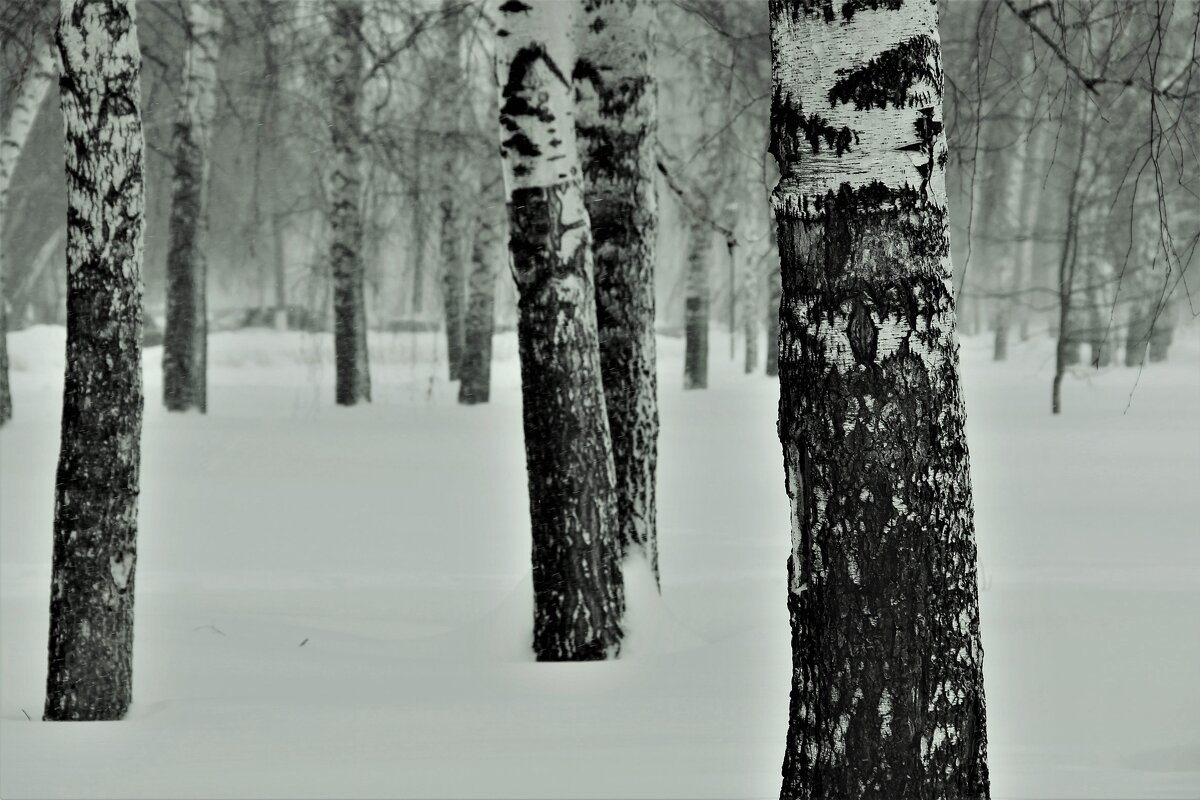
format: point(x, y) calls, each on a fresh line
point(862, 333)
point(888, 78)
point(790, 125)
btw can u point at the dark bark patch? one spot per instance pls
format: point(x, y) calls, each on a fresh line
point(863, 334)
point(889, 78)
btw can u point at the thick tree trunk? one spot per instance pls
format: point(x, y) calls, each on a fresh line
point(617, 126)
point(475, 372)
point(96, 486)
point(887, 692)
point(30, 94)
point(577, 583)
point(349, 303)
point(696, 304)
point(185, 336)
point(774, 290)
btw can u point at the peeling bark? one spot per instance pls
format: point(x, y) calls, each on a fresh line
point(185, 335)
point(30, 93)
point(349, 302)
point(887, 688)
point(616, 126)
point(577, 582)
point(96, 485)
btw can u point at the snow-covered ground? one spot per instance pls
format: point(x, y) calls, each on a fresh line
point(334, 603)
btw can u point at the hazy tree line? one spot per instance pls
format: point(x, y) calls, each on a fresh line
point(346, 159)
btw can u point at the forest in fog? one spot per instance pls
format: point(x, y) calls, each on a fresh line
point(429, 363)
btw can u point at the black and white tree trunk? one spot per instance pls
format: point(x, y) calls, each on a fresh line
point(617, 126)
point(345, 190)
point(18, 121)
point(887, 689)
point(453, 276)
point(577, 582)
point(185, 335)
point(487, 254)
point(697, 297)
point(774, 290)
point(96, 486)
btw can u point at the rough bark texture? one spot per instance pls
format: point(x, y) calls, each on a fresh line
point(349, 302)
point(887, 689)
point(18, 121)
point(774, 290)
point(577, 582)
point(475, 372)
point(185, 335)
point(616, 125)
point(96, 486)
point(697, 291)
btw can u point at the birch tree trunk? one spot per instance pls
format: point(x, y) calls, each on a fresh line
point(96, 485)
point(887, 690)
point(30, 94)
point(1010, 274)
point(697, 296)
point(577, 583)
point(346, 227)
point(453, 276)
point(617, 126)
point(185, 335)
point(475, 372)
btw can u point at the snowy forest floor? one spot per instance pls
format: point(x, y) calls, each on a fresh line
point(335, 603)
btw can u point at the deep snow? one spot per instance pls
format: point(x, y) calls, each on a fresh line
point(334, 603)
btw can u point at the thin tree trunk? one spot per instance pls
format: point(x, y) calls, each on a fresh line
point(887, 692)
point(750, 324)
point(1163, 332)
point(280, 248)
point(577, 583)
point(96, 485)
point(696, 303)
point(1066, 351)
point(29, 97)
point(453, 277)
point(475, 372)
point(349, 303)
point(617, 126)
point(185, 336)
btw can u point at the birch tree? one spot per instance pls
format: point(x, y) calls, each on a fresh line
point(475, 371)
point(29, 94)
point(96, 485)
point(887, 688)
point(453, 268)
point(617, 125)
point(345, 189)
point(185, 337)
point(577, 582)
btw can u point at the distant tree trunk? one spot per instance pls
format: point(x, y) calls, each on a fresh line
point(887, 692)
point(349, 304)
point(774, 290)
point(1067, 350)
point(1137, 333)
point(453, 277)
point(417, 181)
point(1031, 203)
point(617, 125)
point(475, 371)
point(1163, 332)
point(277, 231)
point(751, 328)
point(577, 582)
point(185, 336)
point(30, 93)
point(96, 486)
point(696, 302)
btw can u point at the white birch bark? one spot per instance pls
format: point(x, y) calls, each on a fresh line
point(887, 690)
point(578, 588)
point(96, 483)
point(19, 121)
